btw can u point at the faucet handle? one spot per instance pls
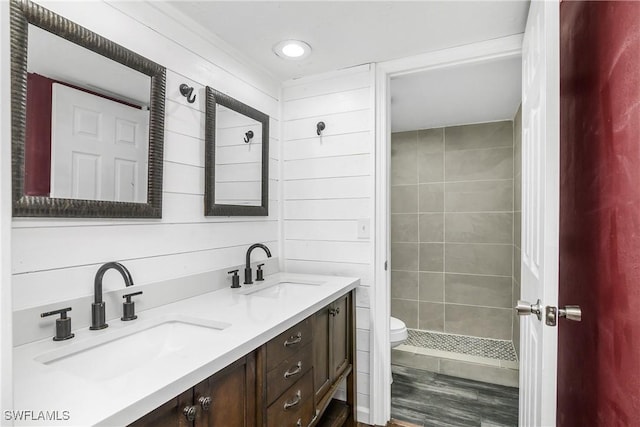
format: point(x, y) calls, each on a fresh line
point(128, 307)
point(128, 296)
point(63, 324)
point(235, 279)
point(259, 273)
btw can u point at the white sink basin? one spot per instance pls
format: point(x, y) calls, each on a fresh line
point(111, 355)
point(278, 289)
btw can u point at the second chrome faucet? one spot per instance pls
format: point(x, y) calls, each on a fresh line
point(98, 306)
point(247, 269)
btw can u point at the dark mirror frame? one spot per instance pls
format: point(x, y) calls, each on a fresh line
point(23, 13)
point(214, 97)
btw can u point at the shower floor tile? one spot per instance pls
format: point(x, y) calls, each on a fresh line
point(430, 399)
point(461, 344)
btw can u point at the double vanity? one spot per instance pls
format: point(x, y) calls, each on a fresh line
point(269, 354)
point(200, 350)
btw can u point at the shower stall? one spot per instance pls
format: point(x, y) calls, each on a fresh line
point(455, 249)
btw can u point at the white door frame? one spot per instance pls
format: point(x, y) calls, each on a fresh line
point(476, 53)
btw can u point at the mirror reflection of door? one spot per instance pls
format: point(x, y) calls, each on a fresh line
point(98, 147)
point(238, 158)
point(87, 130)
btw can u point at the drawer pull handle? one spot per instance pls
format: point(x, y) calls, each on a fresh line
point(296, 371)
point(299, 422)
point(293, 339)
point(205, 402)
point(296, 400)
point(190, 412)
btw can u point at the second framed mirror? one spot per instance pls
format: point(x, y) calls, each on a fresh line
point(236, 158)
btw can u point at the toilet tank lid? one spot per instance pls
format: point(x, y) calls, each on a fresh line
point(395, 324)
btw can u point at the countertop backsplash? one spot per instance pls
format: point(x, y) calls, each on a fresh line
point(28, 326)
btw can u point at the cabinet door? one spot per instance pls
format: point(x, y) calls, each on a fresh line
point(171, 414)
point(321, 353)
point(340, 336)
point(228, 397)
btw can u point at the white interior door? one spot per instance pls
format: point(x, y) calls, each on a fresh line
point(540, 211)
point(98, 147)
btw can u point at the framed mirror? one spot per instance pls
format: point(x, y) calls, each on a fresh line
point(236, 158)
point(87, 121)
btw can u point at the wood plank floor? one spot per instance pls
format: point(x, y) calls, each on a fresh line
point(429, 399)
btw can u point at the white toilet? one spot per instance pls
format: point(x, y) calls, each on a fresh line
point(397, 331)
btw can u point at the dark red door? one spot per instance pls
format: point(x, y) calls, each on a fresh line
point(599, 358)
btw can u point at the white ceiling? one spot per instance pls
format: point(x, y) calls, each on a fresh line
point(474, 93)
point(348, 33)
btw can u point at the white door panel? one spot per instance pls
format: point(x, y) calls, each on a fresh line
point(540, 212)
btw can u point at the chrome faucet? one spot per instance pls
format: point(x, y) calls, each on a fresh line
point(97, 308)
point(247, 269)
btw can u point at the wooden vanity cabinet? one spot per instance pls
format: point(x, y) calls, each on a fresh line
point(323, 353)
point(232, 394)
point(331, 344)
point(289, 381)
point(169, 414)
point(225, 399)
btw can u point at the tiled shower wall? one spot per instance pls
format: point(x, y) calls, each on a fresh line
point(452, 224)
point(517, 220)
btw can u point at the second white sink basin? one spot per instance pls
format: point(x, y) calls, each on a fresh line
point(277, 289)
point(111, 355)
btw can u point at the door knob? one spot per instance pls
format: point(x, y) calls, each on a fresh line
point(571, 312)
point(190, 412)
point(205, 402)
point(524, 308)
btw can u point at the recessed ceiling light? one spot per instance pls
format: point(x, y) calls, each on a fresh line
point(292, 49)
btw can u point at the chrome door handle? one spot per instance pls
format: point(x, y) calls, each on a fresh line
point(571, 312)
point(524, 308)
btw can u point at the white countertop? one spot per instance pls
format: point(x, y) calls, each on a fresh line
point(254, 320)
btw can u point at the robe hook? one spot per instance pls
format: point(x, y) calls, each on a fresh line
point(187, 92)
point(248, 136)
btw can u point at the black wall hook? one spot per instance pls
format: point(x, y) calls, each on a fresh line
point(248, 136)
point(187, 92)
point(320, 127)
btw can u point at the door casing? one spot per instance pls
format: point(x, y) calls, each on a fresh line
point(476, 53)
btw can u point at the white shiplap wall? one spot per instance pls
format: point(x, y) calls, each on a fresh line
point(56, 259)
point(328, 186)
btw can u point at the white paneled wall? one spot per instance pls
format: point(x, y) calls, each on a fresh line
point(328, 187)
point(56, 259)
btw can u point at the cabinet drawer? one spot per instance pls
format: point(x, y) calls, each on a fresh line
point(288, 372)
point(295, 407)
point(287, 344)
